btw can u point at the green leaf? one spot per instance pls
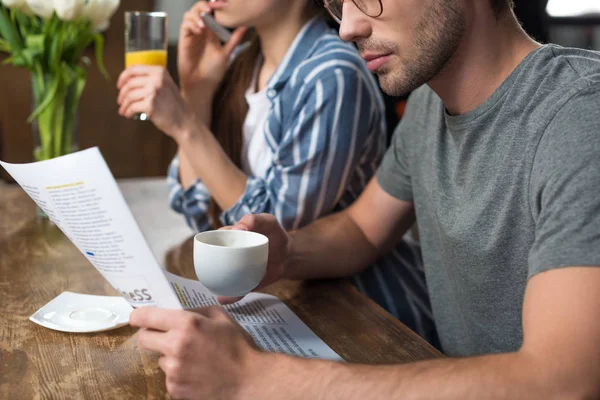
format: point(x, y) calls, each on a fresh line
point(58, 109)
point(71, 105)
point(4, 46)
point(73, 37)
point(25, 58)
point(83, 38)
point(17, 59)
point(25, 23)
point(30, 56)
point(10, 60)
point(56, 49)
point(99, 44)
point(45, 103)
point(2, 10)
point(36, 43)
point(67, 73)
point(49, 28)
point(81, 80)
point(50, 32)
point(9, 31)
point(38, 83)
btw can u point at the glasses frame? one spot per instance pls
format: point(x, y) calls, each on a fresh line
point(339, 20)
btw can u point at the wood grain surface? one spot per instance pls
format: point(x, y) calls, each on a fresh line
point(37, 263)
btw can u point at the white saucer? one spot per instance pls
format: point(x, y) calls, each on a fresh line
point(83, 313)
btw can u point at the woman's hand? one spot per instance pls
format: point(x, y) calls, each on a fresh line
point(203, 60)
point(151, 90)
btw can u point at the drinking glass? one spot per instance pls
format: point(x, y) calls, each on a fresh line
point(146, 41)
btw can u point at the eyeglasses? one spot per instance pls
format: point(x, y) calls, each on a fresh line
point(372, 8)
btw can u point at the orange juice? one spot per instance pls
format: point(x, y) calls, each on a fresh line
point(147, 57)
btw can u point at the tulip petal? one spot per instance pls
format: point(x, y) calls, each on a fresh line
point(69, 10)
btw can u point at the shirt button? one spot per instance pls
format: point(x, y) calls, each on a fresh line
point(271, 93)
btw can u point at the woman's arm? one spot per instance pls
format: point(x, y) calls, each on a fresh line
point(317, 144)
point(190, 200)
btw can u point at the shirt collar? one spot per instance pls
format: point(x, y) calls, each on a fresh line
point(300, 50)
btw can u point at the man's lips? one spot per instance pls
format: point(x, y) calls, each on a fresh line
point(375, 60)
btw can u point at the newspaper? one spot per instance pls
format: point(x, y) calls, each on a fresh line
point(80, 195)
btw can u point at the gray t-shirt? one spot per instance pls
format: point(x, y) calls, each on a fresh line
point(502, 193)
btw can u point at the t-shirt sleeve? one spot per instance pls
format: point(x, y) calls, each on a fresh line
point(393, 174)
point(565, 187)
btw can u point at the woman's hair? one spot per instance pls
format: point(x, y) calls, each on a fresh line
point(230, 107)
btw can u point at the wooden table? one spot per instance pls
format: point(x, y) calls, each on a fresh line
point(37, 263)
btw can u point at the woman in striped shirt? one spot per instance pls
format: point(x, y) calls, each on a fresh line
point(290, 123)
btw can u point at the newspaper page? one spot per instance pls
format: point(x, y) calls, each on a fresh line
point(80, 195)
point(271, 323)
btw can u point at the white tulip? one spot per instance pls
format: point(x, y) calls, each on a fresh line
point(69, 10)
point(42, 8)
point(100, 12)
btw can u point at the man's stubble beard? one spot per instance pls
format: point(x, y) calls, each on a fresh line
point(437, 37)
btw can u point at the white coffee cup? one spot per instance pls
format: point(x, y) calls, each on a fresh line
point(230, 263)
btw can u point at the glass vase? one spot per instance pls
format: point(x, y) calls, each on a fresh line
point(55, 118)
point(56, 127)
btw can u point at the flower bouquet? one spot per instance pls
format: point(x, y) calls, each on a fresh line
point(48, 38)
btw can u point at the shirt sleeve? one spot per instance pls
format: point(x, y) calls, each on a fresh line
point(565, 187)
point(319, 145)
point(192, 202)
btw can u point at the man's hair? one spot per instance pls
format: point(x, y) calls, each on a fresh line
point(501, 6)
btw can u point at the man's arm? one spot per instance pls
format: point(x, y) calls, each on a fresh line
point(208, 355)
point(341, 244)
point(559, 359)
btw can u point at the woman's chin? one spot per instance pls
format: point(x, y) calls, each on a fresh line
point(226, 20)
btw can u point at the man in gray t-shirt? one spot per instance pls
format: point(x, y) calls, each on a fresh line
point(502, 193)
point(498, 158)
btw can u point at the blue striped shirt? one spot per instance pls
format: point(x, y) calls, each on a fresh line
point(326, 132)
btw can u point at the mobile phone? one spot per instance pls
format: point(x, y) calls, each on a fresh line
point(223, 34)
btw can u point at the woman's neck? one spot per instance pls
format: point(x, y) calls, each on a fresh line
point(276, 39)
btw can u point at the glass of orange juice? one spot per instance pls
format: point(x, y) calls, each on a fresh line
point(146, 41)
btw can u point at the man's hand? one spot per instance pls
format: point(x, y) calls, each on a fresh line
point(336, 246)
point(205, 354)
point(279, 247)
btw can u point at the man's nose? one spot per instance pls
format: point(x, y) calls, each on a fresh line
point(355, 24)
